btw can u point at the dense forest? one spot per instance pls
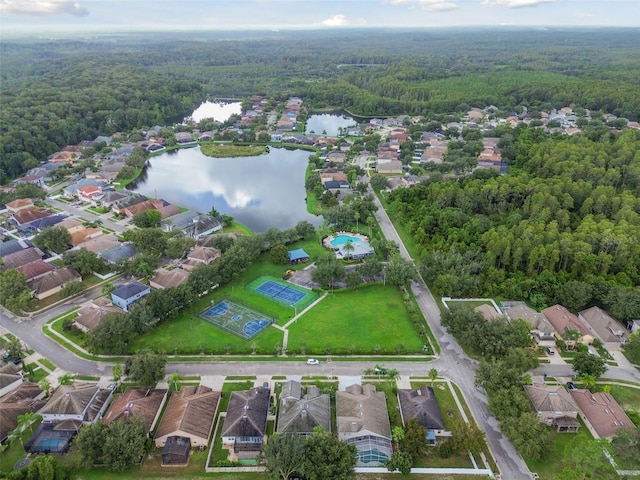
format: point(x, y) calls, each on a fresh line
point(562, 226)
point(58, 93)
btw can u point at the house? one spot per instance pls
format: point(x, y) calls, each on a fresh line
point(168, 278)
point(389, 167)
point(190, 413)
point(301, 413)
point(133, 210)
point(90, 316)
point(363, 421)
point(26, 398)
point(115, 253)
point(80, 402)
point(44, 222)
point(276, 137)
point(100, 243)
point(206, 136)
point(566, 322)
point(245, 425)
point(21, 257)
point(421, 404)
point(108, 198)
point(168, 211)
point(554, 406)
point(87, 192)
point(71, 225)
point(19, 204)
point(10, 377)
point(52, 282)
point(27, 215)
point(606, 328)
point(298, 256)
point(119, 206)
point(488, 312)
point(35, 269)
point(125, 295)
point(198, 226)
point(139, 401)
point(336, 157)
point(184, 138)
point(71, 191)
point(201, 256)
point(37, 180)
point(12, 246)
point(359, 249)
point(603, 413)
point(82, 235)
point(543, 331)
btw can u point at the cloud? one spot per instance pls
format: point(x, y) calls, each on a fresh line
point(429, 5)
point(585, 15)
point(514, 3)
point(42, 7)
point(335, 21)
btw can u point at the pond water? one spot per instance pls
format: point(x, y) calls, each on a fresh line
point(328, 123)
point(260, 192)
point(219, 111)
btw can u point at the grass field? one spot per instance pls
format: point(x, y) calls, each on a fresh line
point(370, 320)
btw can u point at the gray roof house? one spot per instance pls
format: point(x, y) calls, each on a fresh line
point(72, 190)
point(607, 328)
point(113, 254)
point(125, 295)
point(421, 404)
point(120, 205)
point(245, 425)
point(301, 413)
point(12, 246)
point(81, 402)
point(193, 224)
point(363, 421)
point(543, 330)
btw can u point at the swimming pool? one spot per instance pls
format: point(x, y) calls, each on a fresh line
point(343, 238)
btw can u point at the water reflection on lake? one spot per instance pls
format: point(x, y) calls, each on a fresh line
point(331, 124)
point(219, 111)
point(259, 192)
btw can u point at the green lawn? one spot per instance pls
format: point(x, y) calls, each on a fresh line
point(365, 321)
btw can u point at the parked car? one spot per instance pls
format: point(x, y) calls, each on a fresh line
point(16, 361)
point(571, 386)
point(313, 361)
point(550, 351)
point(6, 355)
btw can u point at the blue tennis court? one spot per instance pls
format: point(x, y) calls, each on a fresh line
point(237, 319)
point(282, 292)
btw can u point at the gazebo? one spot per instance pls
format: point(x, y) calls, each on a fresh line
point(298, 256)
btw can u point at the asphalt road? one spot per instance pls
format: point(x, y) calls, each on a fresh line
point(79, 212)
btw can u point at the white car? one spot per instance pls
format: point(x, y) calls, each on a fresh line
point(313, 361)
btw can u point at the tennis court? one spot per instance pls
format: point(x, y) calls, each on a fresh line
point(236, 319)
point(282, 292)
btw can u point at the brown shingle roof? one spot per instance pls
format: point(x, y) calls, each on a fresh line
point(22, 257)
point(192, 411)
point(605, 326)
point(141, 401)
point(81, 236)
point(168, 278)
point(603, 412)
point(92, 315)
point(359, 408)
point(35, 269)
point(550, 398)
point(103, 242)
point(18, 402)
point(168, 211)
point(247, 413)
point(30, 214)
point(562, 319)
point(53, 279)
point(77, 399)
point(19, 204)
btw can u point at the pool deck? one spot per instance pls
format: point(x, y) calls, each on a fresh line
point(327, 241)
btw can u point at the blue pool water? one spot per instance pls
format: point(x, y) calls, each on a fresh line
point(342, 239)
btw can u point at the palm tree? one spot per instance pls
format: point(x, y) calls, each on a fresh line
point(107, 288)
point(144, 270)
point(26, 420)
point(175, 378)
point(66, 379)
point(45, 386)
point(116, 371)
point(589, 381)
point(349, 248)
point(433, 374)
point(356, 215)
point(370, 221)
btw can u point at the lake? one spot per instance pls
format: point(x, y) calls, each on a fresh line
point(259, 192)
point(329, 123)
point(219, 111)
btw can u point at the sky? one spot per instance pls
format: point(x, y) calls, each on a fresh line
point(80, 16)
